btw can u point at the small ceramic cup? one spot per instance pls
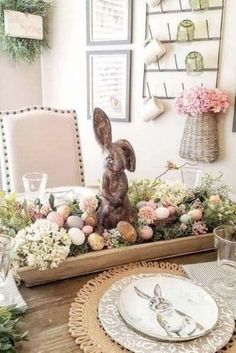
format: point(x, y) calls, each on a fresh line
point(153, 50)
point(151, 108)
point(153, 3)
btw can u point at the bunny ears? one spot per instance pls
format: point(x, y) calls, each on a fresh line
point(102, 130)
point(157, 292)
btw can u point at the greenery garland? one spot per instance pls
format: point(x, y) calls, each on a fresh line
point(22, 49)
point(9, 333)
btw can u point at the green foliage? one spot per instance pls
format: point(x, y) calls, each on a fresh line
point(172, 231)
point(212, 186)
point(215, 215)
point(13, 215)
point(9, 334)
point(143, 190)
point(23, 49)
point(79, 250)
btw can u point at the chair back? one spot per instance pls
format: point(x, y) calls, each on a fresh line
point(40, 139)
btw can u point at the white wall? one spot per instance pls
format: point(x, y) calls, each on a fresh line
point(20, 84)
point(64, 85)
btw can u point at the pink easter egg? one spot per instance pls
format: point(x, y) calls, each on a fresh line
point(146, 232)
point(151, 204)
point(55, 217)
point(87, 230)
point(196, 214)
point(172, 210)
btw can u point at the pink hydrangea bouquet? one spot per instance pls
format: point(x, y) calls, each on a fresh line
point(201, 100)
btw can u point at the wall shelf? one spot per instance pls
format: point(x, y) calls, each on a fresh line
point(213, 8)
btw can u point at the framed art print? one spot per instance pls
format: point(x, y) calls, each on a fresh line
point(109, 22)
point(109, 83)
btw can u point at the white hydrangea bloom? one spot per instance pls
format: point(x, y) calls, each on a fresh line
point(42, 245)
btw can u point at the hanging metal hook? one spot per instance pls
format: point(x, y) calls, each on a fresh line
point(149, 91)
point(176, 62)
point(169, 32)
point(165, 89)
point(183, 86)
point(150, 31)
point(180, 5)
point(207, 29)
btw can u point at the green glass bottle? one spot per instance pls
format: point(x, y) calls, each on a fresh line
point(194, 63)
point(185, 32)
point(199, 5)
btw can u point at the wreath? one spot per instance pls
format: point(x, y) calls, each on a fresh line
point(23, 49)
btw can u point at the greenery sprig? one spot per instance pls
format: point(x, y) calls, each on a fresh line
point(9, 332)
point(24, 49)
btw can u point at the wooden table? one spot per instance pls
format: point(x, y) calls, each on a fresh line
point(49, 304)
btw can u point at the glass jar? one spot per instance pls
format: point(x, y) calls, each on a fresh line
point(194, 63)
point(199, 5)
point(186, 30)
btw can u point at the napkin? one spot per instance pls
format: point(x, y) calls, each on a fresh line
point(11, 294)
point(204, 273)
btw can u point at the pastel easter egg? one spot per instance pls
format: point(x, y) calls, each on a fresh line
point(75, 222)
point(141, 204)
point(146, 232)
point(96, 241)
point(185, 218)
point(87, 230)
point(196, 214)
point(45, 210)
point(152, 204)
point(172, 210)
point(91, 220)
point(127, 231)
point(64, 211)
point(76, 236)
point(55, 217)
point(162, 212)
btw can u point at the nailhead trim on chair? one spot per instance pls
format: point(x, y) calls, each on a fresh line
point(61, 111)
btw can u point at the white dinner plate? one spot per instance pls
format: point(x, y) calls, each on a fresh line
point(168, 308)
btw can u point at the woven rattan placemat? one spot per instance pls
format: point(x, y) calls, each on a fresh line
point(84, 325)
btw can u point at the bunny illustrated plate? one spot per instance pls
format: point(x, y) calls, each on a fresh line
point(167, 308)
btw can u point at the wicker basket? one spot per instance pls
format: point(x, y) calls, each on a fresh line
point(200, 138)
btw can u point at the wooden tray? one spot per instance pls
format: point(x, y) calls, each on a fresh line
point(102, 260)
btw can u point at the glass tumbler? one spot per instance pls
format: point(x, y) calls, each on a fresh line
point(199, 5)
point(35, 185)
point(185, 32)
point(6, 248)
point(191, 176)
point(225, 243)
point(194, 63)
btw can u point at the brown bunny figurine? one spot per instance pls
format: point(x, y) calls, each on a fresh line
point(115, 206)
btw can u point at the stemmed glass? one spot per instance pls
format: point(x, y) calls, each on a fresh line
point(6, 246)
point(225, 243)
point(35, 185)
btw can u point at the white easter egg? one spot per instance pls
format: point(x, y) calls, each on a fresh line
point(76, 236)
point(162, 212)
point(75, 222)
point(185, 218)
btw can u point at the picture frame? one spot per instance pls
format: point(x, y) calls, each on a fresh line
point(108, 85)
point(100, 13)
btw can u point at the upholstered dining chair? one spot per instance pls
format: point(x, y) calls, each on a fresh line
point(40, 139)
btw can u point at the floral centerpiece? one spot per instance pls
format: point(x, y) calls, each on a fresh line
point(46, 234)
point(200, 105)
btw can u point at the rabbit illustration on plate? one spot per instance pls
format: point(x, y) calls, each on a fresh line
point(174, 322)
point(115, 206)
